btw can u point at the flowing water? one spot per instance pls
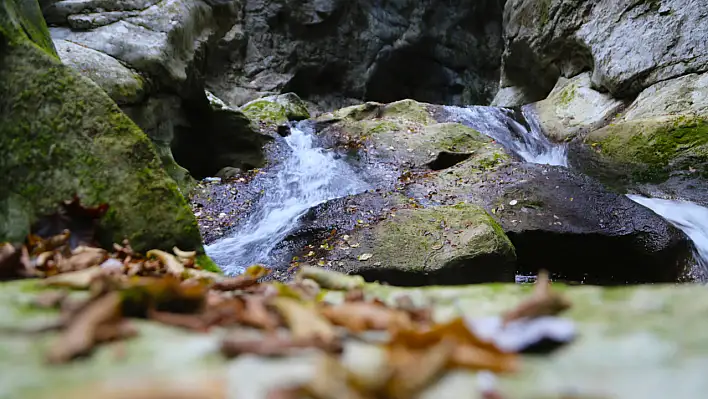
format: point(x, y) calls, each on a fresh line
point(690, 218)
point(308, 176)
point(526, 141)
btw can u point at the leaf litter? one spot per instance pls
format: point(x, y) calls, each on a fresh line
point(171, 289)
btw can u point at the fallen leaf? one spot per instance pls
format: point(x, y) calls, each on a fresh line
point(80, 279)
point(365, 257)
point(413, 370)
point(81, 221)
point(331, 280)
point(79, 337)
point(171, 263)
point(542, 302)
point(83, 258)
point(256, 314)
point(362, 316)
point(50, 299)
point(273, 345)
point(304, 321)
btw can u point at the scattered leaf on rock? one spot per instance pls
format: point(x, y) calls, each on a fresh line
point(543, 302)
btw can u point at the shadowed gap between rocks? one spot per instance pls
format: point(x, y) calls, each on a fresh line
point(598, 259)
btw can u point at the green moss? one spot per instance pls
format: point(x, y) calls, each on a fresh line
point(205, 262)
point(544, 12)
point(383, 127)
point(61, 136)
point(266, 111)
point(567, 95)
point(652, 149)
point(408, 110)
point(22, 19)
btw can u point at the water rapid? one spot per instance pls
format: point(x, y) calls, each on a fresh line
point(526, 141)
point(690, 218)
point(307, 177)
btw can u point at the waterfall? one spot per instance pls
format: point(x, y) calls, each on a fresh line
point(690, 218)
point(527, 142)
point(308, 176)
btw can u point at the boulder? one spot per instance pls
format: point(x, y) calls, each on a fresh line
point(277, 109)
point(63, 136)
point(663, 134)
point(573, 108)
point(627, 45)
point(405, 134)
point(438, 245)
point(437, 51)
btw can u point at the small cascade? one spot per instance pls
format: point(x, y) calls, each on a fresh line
point(526, 141)
point(690, 218)
point(308, 177)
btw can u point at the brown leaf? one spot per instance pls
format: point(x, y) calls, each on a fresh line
point(165, 293)
point(115, 331)
point(50, 299)
point(304, 321)
point(543, 302)
point(256, 314)
point(150, 387)
point(273, 345)
point(245, 280)
point(331, 280)
point(81, 279)
point(80, 336)
point(332, 381)
point(83, 258)
point(172, 265)
point(362, 316)
point(475, 358)
point(414, 370)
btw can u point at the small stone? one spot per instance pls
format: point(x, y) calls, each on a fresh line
point(513, 202)
point(365, 257)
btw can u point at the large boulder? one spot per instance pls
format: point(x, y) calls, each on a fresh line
point(434, 51)
point(150, 57)
point(438, 245)
point(663, 134)
point(63, 136)
point(627, 45)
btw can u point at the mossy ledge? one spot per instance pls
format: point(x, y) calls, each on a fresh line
point(62, 135)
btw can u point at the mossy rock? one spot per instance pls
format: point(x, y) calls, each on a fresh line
point(62, 136)
point(455, 244)
point(22, 20)
point(266, 111)
point(651, 150)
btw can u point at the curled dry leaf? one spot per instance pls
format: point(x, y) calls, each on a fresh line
point(273, 345)
point(247, 279)
point(543, 302)
point(413, 370)
point(83, 258)
point(362, 316)
point(80, 336)
point(81, 279)
point(304, 321)
point(256, 314)
point(173, 266)
point(332, 381)
point(82, 221)
point(184, 254)
point(331, 280)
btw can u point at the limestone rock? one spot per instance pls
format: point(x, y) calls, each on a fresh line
point(628, 45)
point(574, 108)
point(61, 136)
point(437, 245)
point(123, 85)
point(437, 51)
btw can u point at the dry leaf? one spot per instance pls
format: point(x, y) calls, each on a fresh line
point(80, 336)
point(413, 370)
point(50, 299)
point(331, 280)
point(256, 314)
point(362, 316)
point(247, 279)
point(304, 322)
point(81, 279)
point(543, 302)
point(83, 258)
point(173, 266)
point(272, 345)
point(177, 387)
point(72, 216)
point(365, 257)
point(332, 381)
point(184, 254)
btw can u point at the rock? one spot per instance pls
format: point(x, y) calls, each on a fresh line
point(277, 109)
point(61, 135)
point(438, 245)
point(574, 108)
point(229, 173)
point(119, 82)
point(561, 219)
point(437, 52)
point(628, 45)
point(662, 135)
point(512, 96)
point(663, 323)
point(405, 134)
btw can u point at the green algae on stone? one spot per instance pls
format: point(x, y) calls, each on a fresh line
point(62, 136)
point(651, 149)
point(265, 111)
point(205, 262)
point(452, 244)
point(21, 20)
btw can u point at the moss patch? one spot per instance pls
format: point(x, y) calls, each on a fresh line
point(205, 262)
point(61, 135)
point(21, 20)
point(266, 111)
point(654, 148)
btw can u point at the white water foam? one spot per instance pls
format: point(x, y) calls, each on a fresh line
point(690, 218)
point(308, 177)
point(498, 123)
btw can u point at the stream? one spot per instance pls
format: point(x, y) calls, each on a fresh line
point(310, 175)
